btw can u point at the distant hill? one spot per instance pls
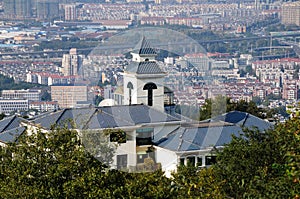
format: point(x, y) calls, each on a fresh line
point(7, 83)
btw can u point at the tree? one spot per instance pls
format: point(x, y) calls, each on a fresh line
point(46, 96)
point(213, 107)
point(47, 165)
point(190, 182)
point(2, 115)
point(56, 165)
point(262, 164)
point(223, 104)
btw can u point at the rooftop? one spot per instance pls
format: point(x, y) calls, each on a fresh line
point(144, 48)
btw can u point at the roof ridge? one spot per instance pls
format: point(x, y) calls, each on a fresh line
point(181, 140)
point(60, 116)
point(90, 118)
point(247, 115)
point(13, 118)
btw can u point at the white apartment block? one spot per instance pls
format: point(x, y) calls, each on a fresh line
point(29, 94)
point(7, 106)
point(44, 106)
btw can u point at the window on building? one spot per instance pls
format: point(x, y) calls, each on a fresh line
point(210, 160)
point(121, 161)
point(191, 161)
point(141, 157)
point(181, 161)
point(144, 136)
point(199, 161)
point(130, 87)
point(150, 87)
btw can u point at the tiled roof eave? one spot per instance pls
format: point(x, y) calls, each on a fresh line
point(148, 55)
point(145, 76)
point(200, 151)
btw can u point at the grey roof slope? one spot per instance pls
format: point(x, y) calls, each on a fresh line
point(243, 119)
point(104, 117)
point(12, 134)
point(11, 129)
point(146, 67)
point(207, 134)
point(188, 139)
point(48, 119)
point(144, 48)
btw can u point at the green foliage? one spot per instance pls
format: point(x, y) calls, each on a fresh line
point(45, 165)
point(262, 165)
point(96, 142)
point(223, 104)
point(2, 115)
point(7, 83)
point(189, 182)
point(57, 165)
point(250, 70)
point(72, 43)
point(46, 96)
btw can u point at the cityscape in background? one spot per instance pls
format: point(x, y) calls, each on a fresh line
point(249, 47)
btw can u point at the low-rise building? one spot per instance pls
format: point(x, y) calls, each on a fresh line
point(29, 94)
point(8, 106)
point(43, 106)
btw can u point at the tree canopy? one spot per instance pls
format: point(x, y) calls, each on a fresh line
point(57, 165)
point(222, 104)
point(262, 165)
point(7, 83)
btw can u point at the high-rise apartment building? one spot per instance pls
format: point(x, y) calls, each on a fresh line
point(70, 12)
point(290, 13)
point(263, 4)
point(47, 9)
point(18, 9)
point(71, 63)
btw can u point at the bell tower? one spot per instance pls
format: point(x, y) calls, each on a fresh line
point(143, 78)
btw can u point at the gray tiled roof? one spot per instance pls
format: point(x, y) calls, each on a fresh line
point(208, 135)
point(243, 119)
point(12, 134)
point(105, 117)
point(10, 129)
point(187, 139)
point(49, 119)
point(146, 67)
point(144, 48)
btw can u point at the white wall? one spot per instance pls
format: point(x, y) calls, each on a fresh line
point(158, 94)
point(168, 160)
point(130, 78)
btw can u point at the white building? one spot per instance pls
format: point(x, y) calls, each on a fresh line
point(71, 63)
point(29, 94)
point(143, 78)
point(7, 106)
point(43, 106)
